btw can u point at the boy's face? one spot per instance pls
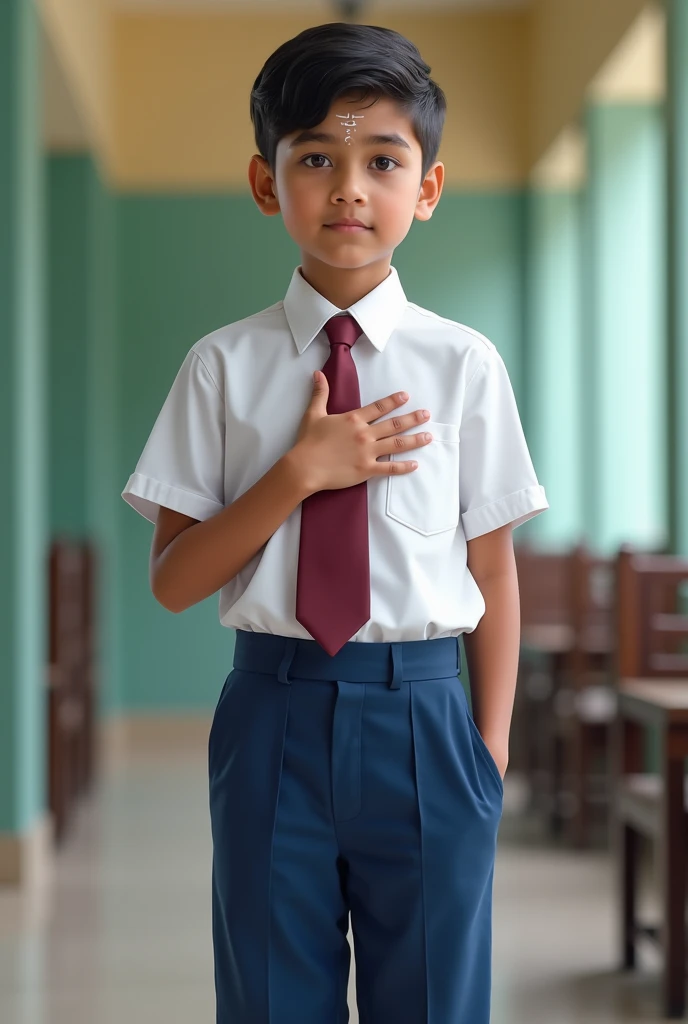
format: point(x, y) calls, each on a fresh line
point(362, 163)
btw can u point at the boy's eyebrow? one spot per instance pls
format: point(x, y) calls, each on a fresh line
point(370, 140)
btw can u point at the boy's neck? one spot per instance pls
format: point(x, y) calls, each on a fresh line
point(343, 287)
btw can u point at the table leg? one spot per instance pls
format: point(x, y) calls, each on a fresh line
point(673, 883)
point(625, 744)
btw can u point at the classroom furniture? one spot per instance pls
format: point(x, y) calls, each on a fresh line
point(546, 639)
point(584, 707)
point(71, 690)
point(652, 678)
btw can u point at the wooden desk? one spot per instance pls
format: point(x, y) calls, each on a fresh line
point(655, 805)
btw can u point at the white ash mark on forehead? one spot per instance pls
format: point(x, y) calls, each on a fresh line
point(349, 122)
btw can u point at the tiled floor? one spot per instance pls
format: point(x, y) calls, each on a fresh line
point(122, 936)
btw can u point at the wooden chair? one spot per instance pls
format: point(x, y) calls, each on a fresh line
point(546, 638)
point(88, 677)
point(67, 705)
point(585, 704)
point(652, 628)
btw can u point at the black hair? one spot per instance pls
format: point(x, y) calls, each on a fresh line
point(299, 82)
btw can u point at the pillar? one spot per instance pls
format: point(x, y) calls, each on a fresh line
point(624, 352)
point(23, 494)
point(677, 269)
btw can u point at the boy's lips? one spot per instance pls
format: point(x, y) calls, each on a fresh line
point(347, 224)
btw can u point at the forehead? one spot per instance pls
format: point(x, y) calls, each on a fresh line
point(378, 111)
point(368, 121)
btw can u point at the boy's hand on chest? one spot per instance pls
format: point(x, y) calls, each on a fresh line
point(339, 450)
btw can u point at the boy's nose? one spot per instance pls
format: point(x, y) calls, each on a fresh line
point(349, 190)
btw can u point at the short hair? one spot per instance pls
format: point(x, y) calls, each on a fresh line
point(299, 82)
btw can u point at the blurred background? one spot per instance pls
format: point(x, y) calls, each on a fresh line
point(127, 232)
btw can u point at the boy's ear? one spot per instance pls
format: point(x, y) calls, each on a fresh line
point(430, 192)
point(262, 183)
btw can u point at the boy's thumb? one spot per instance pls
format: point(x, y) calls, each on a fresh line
point(320, 386)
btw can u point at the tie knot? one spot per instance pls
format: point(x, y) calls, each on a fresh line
point(342, 330)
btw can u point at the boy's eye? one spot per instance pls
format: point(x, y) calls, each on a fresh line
point(320, 158)
point(315, 156)
point(386, 160)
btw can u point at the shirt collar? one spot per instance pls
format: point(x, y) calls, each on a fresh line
point(377, 313)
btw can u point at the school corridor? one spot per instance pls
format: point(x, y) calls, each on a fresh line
point(127, 233)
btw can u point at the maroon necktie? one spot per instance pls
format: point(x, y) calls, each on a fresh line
point(333, 581)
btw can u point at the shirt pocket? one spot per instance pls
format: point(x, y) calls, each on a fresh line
point(427, 499)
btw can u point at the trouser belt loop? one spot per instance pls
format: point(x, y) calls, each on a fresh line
point(397, 673)
point(290, 643)
point(458, 656)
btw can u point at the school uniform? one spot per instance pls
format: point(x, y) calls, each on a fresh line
point(356, 781)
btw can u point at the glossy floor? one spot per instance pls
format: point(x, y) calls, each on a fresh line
point(122, 935)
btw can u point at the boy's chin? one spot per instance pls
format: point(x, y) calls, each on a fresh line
point(344, 260)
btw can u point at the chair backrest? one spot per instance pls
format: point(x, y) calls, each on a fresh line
point(544, 584)
point(651, 620)
point(90, 585)
point(67, 614)
point(592, 610)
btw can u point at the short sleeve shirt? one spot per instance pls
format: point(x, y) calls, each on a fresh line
point(235, 408)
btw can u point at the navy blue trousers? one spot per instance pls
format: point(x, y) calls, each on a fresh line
point(350, 785)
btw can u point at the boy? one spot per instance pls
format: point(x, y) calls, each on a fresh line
point(347, 773)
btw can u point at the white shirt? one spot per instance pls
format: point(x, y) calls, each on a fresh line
point(235, 407)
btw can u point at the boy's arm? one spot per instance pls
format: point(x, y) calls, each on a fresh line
point(492, 648)
point(190, 560)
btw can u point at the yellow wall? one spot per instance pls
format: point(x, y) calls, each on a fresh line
point(183, 83)
point(570, 41)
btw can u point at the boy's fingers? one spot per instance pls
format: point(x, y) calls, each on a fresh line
point(394, 467)
point(320, 387)
point(376, 409)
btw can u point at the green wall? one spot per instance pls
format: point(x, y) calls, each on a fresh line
point(624, 341)
point(68, 305)
point(552, 360)
point(189, 264)
point(23, 493)
point(595, 351)
point(677, 267)
point(82, 372)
